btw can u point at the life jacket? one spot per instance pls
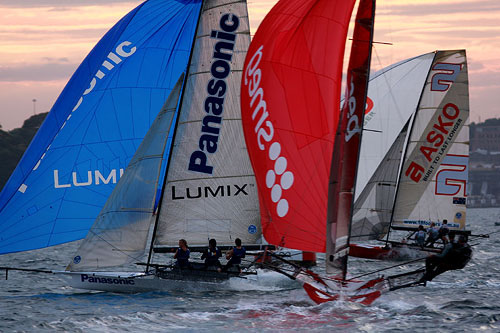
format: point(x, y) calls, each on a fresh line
point(183, 257)
point(212, 256)
point(460, 255)
point(237, 255)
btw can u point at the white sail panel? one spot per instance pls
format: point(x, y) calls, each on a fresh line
point(434, 175)
point(393, 96)
point(373, 209)
point(210, 190)
point(120, 233)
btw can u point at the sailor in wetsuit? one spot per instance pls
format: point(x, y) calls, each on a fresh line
point(235, 255)
point(212, 255)
point(420, 236)
point(454, 256)
point(433, 233)
point(182, 254)
point(444, 231)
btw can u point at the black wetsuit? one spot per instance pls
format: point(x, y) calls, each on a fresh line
point(454, 256)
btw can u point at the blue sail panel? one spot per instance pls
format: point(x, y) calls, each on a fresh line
point(94, 128)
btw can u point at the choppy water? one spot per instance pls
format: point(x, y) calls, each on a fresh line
point(456, 301)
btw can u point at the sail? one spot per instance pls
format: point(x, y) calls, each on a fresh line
point(434, 176)
point(120, 233)
point(393, 96)
point(210, 188)
point(347, 142)
point(290, 106)
point(95, 126)
point(373, 208)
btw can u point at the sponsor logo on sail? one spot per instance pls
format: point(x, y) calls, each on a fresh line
point(208, 192)
point(216, 89)
point(453, 176)
point(252, 229)
point(105, 280)
point(278, 179)
point(443, 80)
point(352, 119)
point(435, 143)
point(122, 51)
point(93, 177)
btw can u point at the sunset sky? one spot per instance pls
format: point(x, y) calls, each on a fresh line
point(42, 42)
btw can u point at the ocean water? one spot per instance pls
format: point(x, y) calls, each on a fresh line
point(457, 301)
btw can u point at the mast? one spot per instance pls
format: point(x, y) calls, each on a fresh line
point(181, 99)
point(347, 143)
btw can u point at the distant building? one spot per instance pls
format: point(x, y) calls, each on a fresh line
point(485, 136)
point(484, 164)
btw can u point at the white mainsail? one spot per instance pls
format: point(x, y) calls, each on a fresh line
point(210, 190)
point(120, 233)
point(434, 176)
point(376, 205)
point(393, 94)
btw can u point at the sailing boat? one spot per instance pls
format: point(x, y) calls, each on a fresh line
point(395, 192)
point(94, 128)
point(304, 151)
point(207, 188)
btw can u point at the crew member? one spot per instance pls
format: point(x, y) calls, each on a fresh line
point(432, 233)
point(454, 256)
point(444, 230)
point(212, 255)
point(235, 255)
point(182, 254)
point(420, 236)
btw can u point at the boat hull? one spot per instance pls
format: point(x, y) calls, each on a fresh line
point(160, 280)
point(398, 251)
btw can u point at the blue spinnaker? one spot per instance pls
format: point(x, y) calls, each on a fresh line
point(95, 126)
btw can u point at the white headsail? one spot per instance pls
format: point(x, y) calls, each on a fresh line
point(120, 233)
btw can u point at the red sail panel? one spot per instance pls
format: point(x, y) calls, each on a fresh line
point(290, 101)
point(347, 142)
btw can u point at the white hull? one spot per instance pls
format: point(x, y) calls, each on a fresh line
point(125, 282)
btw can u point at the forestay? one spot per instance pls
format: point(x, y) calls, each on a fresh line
point(95, 127)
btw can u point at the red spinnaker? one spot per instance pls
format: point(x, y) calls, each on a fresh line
point(290, 101)
point(347, 142)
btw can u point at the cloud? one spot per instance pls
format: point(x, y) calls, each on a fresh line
point(60, 4)
point(454, 7)
point(57, 69)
